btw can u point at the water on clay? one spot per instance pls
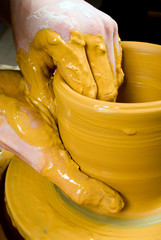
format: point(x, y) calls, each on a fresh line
point(50, 214)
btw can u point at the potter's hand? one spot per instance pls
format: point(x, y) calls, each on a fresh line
point(26, 130)
point(28, 17)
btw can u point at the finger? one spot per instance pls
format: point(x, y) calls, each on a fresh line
point(82, 72)
point(109, 26)
point(116, 38)
point(101, 67)
point(118, 58)
point(115, 53)
point(81, 188)
point(70, 59)
point(109, 200)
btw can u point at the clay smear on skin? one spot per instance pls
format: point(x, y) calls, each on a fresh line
point(49, 49)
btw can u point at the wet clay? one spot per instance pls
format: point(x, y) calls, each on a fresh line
point(48, 214)
point(122, 139)
point(95, 78)
point(29, 109)
point(128, 135)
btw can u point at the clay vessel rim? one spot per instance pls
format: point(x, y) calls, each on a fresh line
point(104, 106)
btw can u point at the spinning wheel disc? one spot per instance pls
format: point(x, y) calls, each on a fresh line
point(39, 210)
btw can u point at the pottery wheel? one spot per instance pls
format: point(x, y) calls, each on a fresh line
point(39, 210)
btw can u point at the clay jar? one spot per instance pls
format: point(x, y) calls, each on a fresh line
point(120, 143)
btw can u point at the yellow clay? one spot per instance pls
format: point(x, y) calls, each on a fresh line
point(40, 211)
point(122, 140)
point(48, 49)
point(128, 135)
point(108, 80)
point(5, 157)
point(29, 108)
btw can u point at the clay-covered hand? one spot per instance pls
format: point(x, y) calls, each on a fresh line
point(62, 16)
point(27, 130)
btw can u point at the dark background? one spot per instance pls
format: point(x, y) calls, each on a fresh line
point(137, 20)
